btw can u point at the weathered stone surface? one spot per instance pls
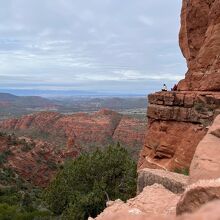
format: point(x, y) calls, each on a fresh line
point(130, 132)
point(209, 211)
point(177, 122)
point(200, 44)
point(174, 182)
point(121, 211)
point(206, 161)
point(152, 201)
point(170, 144)
point(197, 195)
point(195, 107)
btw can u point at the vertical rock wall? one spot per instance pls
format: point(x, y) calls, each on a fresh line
point(178, 120)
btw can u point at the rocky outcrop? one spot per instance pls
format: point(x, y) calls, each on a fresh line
point(174, 182)
point(206, 162)
point(153, 200)
point(209, 211)
point(200, 44)
point(178, 132)
point(130, 131)
point(196, 102)
point(84, 130)
point(169, 114)
point(197, 195)
point(204, 180)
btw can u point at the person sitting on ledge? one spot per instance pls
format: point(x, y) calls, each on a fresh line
point(164, 89)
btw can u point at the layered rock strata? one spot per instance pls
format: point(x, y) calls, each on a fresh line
point(179, 135)
point(177, 121)
point(83, 130)
point(174, 182)
point(200, 199)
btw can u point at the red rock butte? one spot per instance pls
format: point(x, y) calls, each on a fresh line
point(178, 120)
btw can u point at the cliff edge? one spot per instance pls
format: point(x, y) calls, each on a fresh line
point(178, 120)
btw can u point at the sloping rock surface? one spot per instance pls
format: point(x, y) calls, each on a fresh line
point(206, 161)
point(197, 195)
point(153, 200)
point(174, 182)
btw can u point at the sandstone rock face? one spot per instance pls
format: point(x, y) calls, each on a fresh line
point(174, 182)
point(121, 211)
point(197, 195)
point(84, 130)
point(200, 44)
point(130, 131)
point(209, 211)
point(204, 177)
point(152, 201)
point(177, 122)
point(206, 161)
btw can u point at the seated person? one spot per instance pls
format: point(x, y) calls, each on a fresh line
point(164, 89)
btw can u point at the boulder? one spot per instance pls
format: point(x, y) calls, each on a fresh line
point(206, 161)
point(152, 201)
point(174, 182)
point(197, 195)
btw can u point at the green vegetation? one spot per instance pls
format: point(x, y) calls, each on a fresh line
point(18, 199)
point(84, 185)
point(184, 171)
point(8, 212)
point(4, 156)
point(27, 146)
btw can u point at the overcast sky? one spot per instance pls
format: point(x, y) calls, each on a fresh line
point(128, 46)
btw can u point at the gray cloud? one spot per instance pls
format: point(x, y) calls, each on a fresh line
point(94, 44)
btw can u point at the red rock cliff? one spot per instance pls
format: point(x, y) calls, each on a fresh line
point(200, 44)
point(178, 120)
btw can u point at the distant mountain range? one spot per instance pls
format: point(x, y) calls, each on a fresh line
point(65, 93)
point(13, 105)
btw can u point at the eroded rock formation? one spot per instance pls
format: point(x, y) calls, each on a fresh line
point(158, 191)
point(178, 120)
point(82, 130)
point(206, 162)
point(154, 199)
point(174, 182)
point(179, 133)
point(200, 44)
point(34, 161)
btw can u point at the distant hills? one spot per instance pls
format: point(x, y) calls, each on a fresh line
point(12, 105)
